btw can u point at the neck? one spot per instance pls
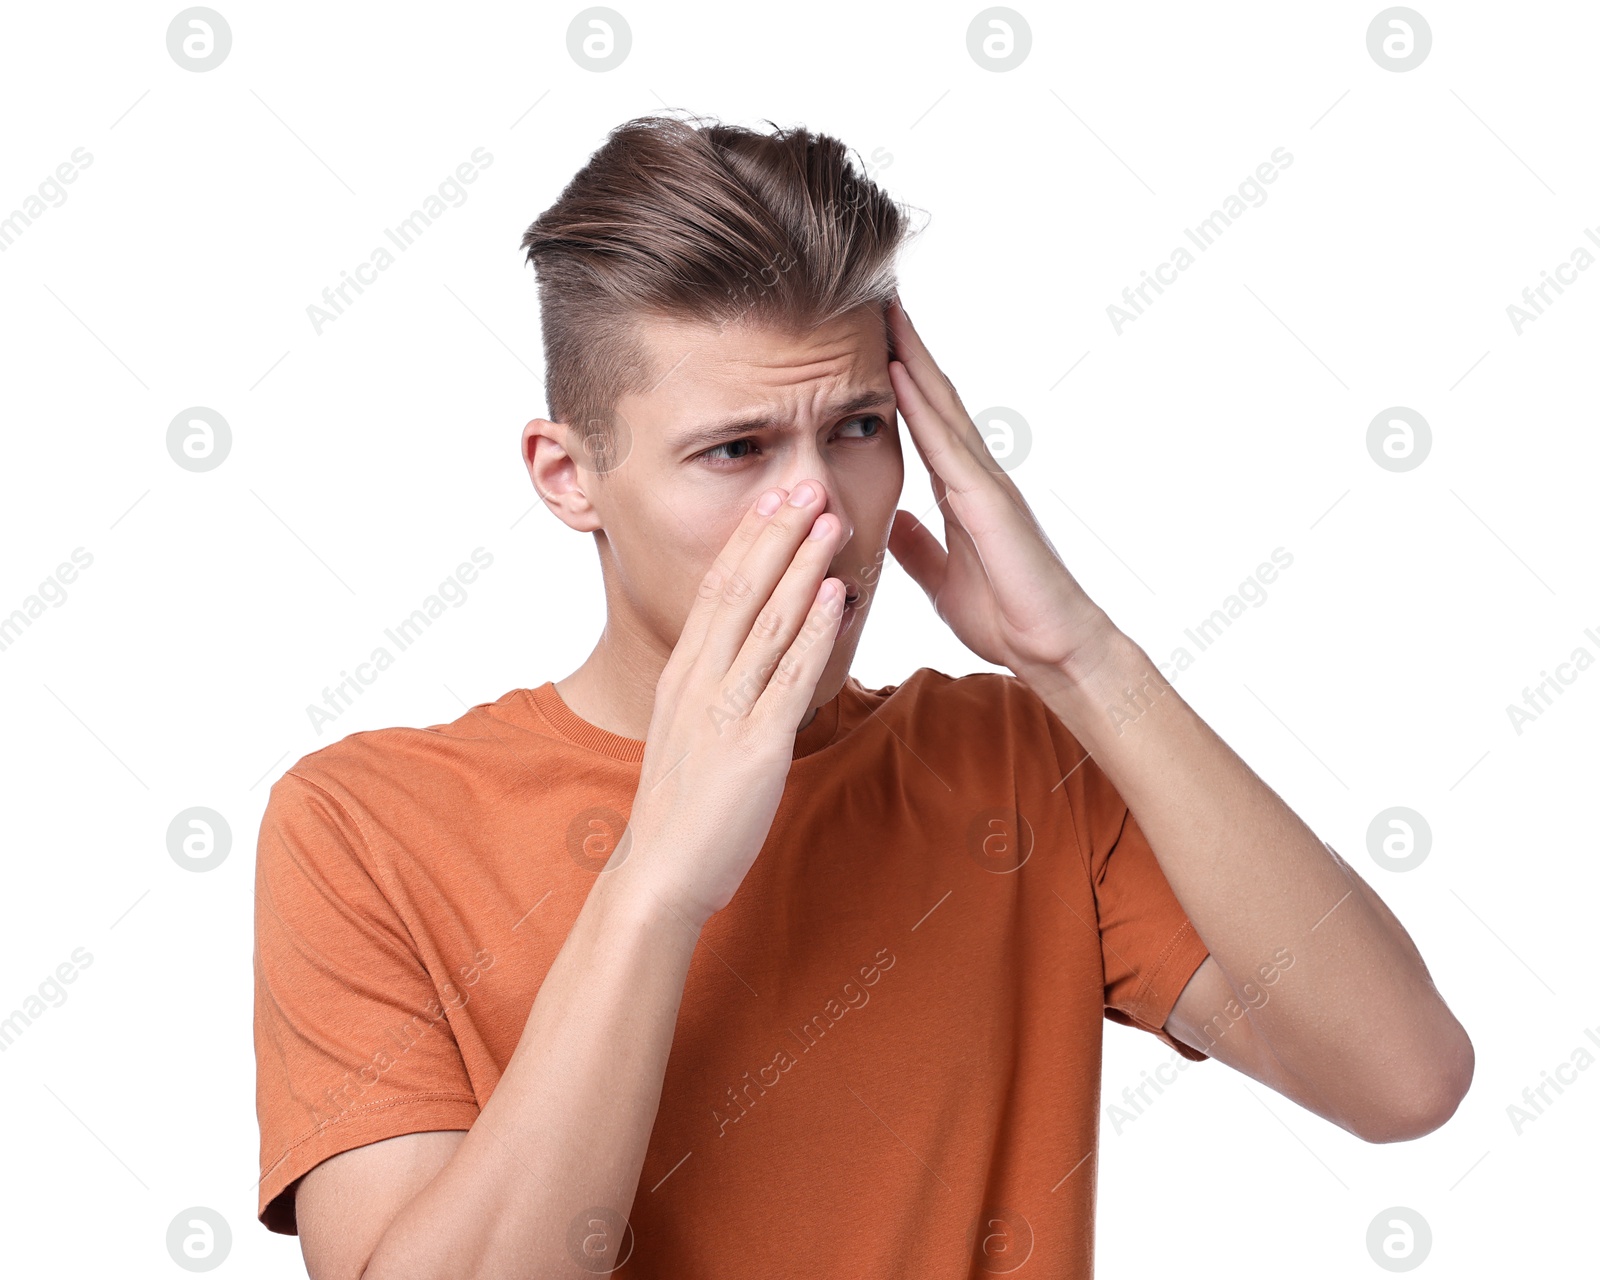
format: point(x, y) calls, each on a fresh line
point(616, 691)
point(615, 688)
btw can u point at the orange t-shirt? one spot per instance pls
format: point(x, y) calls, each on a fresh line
point(887, 1058)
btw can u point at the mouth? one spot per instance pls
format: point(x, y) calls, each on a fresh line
point(853, 600)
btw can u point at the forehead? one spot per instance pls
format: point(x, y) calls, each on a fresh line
point(707, 367)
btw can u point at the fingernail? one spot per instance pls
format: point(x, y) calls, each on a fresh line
point(769, 502)
point(803, 494)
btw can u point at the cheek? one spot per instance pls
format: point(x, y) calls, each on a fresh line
point(661, 547)
point(690, 543)
point(883, 495)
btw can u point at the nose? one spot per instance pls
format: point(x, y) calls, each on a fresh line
point(830, 503)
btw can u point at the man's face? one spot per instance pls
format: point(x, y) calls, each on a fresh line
point(813, 406)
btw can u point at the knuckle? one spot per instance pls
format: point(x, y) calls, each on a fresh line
point(742, 733)
point(788, 670)
point(746, 536)
point(769, 622)
point(783, 525)
point(736, 589)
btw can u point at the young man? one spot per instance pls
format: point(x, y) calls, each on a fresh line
point(706, 960)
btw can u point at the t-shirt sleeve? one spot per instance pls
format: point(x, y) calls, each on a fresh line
point(352, 1040)
point(1149, 946)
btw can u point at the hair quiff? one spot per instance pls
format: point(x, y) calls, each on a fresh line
point(710, 222)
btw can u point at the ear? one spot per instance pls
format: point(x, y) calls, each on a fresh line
point(562, 485)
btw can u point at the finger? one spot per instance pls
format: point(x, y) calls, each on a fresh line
point(918, 552)
point(793, 682)
point(784, 616)
point(938, 392)
point(774, 551)
point(917, 412)
point(913, 352)
point(947, 457)
point(708, 597)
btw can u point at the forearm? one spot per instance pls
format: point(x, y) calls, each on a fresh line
point(566, 1128)
point(1357, 1016)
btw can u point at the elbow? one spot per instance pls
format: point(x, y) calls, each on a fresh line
point(1429, 1103)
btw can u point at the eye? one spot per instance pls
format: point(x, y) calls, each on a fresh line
point(712, 455)
point(873, 418)
point(716, 457)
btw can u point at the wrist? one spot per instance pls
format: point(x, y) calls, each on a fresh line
point(631, 899)
point(1104, 647)
point(1105, 683)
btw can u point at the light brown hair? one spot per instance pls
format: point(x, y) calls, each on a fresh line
point(700, 221)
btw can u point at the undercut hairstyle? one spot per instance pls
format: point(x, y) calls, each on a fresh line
point(692, 220)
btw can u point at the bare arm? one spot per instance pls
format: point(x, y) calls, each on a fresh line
point(564, 1132)
point(1218, 1019)
point(1355, 1028)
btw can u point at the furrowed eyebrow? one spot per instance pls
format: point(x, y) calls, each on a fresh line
point(719, 433)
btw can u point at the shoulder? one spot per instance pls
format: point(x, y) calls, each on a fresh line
point(378, 768)
point(979, 693)
point(976, 690)
point(979, 706)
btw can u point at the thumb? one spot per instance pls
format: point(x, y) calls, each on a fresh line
point(912, 543)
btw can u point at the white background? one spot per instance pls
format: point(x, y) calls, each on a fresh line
point(1229, 419)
